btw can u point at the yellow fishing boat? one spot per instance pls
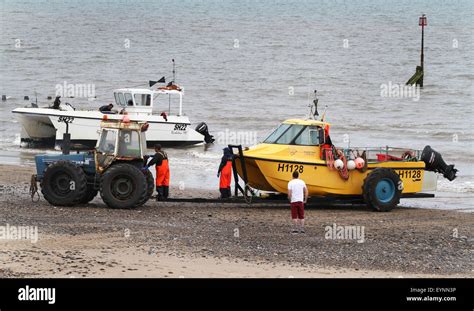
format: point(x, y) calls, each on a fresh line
point(379, 176)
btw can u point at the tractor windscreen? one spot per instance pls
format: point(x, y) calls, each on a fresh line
point(107, 141)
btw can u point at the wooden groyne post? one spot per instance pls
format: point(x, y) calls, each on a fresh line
point(417, 78)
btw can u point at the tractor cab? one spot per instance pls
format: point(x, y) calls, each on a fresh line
point(120, 141)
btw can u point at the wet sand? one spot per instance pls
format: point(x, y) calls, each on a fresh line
point(169, 239)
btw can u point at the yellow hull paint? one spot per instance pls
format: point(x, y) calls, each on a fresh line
point(270, 167)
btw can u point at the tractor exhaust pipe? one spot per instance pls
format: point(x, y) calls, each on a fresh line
point(66, 146)
point(435, 163)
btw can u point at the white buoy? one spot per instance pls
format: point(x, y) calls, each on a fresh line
point(351, 165)
point(338, 164)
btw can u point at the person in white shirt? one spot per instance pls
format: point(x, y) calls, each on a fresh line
point(298, 195)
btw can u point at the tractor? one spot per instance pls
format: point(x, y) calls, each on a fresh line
point(115, 168)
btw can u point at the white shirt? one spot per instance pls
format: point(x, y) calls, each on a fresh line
point(297, 187)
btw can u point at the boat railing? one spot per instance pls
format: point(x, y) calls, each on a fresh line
point(383, 154)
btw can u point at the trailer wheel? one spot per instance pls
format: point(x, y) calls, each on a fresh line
point(123, 186)
point(90, 194)
point(64, 184)
point(381, 189)
point(150, 182)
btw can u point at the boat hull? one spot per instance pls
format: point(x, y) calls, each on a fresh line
point(43, 125)
point(272, 173)
point(39, 126)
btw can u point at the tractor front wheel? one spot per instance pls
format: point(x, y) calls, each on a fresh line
point(64, 184)
point(150, 182)
point(123, 186)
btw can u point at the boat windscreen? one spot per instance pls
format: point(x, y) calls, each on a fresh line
point(142, 99)
point(276, 133)
point(289, 136)
point(119, 99)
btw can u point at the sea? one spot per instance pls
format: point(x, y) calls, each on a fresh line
point(248, 65)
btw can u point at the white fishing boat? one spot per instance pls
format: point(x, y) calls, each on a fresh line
point(47, 125)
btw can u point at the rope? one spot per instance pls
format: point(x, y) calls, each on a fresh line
point(34, 189)
point(329, 158)
point(344, 173)
point(247, 198)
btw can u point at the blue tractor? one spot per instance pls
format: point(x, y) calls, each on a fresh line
point(115, 168)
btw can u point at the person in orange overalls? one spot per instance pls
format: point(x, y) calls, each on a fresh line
point(160, 160)
point(327, 143)
point(225, 173)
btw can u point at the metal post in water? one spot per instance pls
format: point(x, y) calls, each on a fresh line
point(417, 78)
point(422, 23)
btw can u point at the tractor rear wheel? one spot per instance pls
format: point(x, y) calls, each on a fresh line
point(64, 184)
point(382, 189)
point(123, 185)
point(150, 182)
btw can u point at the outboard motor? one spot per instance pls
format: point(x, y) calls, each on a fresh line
point(434, 162)
point(202, 129)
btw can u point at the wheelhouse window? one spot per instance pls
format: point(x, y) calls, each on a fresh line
point(142, 99)
point(117, 100)
point(308, 137)
point(120, 99)
point(128, 99)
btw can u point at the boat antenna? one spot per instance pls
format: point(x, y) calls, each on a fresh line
point(315, 102)
point(36, 98)
point(313, 107)
point(174, 71)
